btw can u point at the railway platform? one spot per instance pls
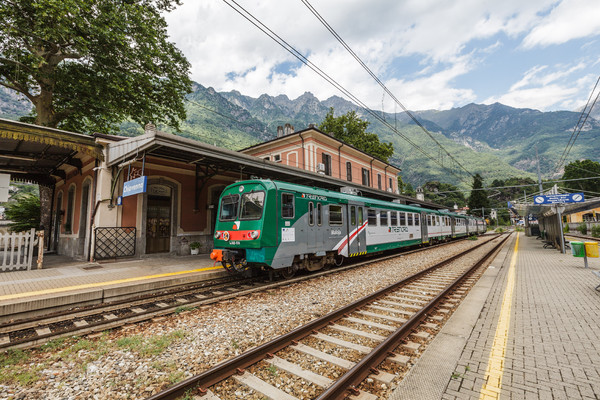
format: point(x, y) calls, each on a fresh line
point(529, 329)
point(64, 283)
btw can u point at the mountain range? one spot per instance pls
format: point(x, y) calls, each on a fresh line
point(494, 140)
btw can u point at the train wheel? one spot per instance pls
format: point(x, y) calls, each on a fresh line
point(288, 272)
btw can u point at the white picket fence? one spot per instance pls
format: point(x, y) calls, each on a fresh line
point(16, 250)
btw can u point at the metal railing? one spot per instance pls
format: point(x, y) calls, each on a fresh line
point(114, 242)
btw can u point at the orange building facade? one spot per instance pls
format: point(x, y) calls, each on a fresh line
point(316, 151)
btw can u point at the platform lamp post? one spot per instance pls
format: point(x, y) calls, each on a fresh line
point(559, 209)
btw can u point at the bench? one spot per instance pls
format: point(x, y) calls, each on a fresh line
point(598, 275)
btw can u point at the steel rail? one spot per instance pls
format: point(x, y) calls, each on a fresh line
point(237, 364)
point(103, 308)
point(353, 377)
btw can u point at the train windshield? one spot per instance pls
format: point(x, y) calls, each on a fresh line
point(252, 205)
point(229, 207)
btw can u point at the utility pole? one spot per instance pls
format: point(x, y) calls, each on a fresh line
point(538, 171)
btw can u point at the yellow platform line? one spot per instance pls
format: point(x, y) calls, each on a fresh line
point(495, 368)
point(93, 285)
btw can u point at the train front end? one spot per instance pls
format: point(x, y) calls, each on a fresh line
point(242, 239)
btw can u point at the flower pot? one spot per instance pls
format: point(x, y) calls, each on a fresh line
point(195, 251)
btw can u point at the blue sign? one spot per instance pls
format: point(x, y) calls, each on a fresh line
point(135, 186)
point(120, 200)
point(559, 198)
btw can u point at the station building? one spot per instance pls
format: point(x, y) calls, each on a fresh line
point(89, 218)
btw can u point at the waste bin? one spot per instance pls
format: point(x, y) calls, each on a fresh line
point(591, 249)
point(578, 249)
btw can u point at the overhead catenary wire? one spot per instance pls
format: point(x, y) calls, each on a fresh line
point(578, 127)
point(366, 68)
point(266, 30)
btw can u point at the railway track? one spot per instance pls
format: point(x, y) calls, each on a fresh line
point(588, 238)
point(32, 332)
point(347, 352)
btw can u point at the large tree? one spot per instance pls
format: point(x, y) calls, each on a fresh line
point(478, 198)
point(87, 65)
point(583, 169)
point(349, 128)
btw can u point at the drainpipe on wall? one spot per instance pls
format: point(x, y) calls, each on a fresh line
point(340, 159)
point(303, 156)
point(385, 177)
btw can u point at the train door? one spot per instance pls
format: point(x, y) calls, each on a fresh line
point(357, 233)
point(424, 232)
point(311, 242)
point(453, 225)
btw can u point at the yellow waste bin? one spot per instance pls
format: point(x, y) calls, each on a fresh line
point(591, 249)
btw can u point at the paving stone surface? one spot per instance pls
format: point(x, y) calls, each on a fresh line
point(553, 346)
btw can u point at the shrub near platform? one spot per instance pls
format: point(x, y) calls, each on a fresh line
point(582, 228)
point(596, 231)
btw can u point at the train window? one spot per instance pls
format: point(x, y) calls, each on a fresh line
point(409, 217)
point(429, 220)
point(383, 218)
point(287, 205)
point(394, 221)
point(402, 219)
point(372, 217)
point(360, 216)
point(438, 222)
point(319, 214)
point(353, 216)
point(416, 219)
point(335, 215)
point(252, 205)
point(229, 207)
point(311, 213)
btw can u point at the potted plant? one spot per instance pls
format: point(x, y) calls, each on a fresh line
point(195, 247)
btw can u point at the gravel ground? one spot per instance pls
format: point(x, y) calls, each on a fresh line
point(137, 362)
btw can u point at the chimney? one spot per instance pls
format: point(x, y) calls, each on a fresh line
point(420, 194)
point(279, 131)
point(150, 128)
point(289, 129)
point(312, 125)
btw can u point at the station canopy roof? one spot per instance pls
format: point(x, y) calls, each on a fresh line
point(31, 153)
point(177, 148)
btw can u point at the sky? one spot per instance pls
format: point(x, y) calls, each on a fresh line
point(431, 54)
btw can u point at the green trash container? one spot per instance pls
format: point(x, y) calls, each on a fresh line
point(578, 249)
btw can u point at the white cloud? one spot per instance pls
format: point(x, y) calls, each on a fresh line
point(570, 19)
point(390, 36)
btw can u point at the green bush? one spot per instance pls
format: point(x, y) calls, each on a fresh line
point(566, 228)
point(582, 228)
point(596, 231)
point(499, 230)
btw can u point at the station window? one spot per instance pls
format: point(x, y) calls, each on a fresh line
point(319, 214)
point(70, 210)
point(287, 205)
point(379, 181)
point(326, 158)
point(383, 218)
point(353, 216)
point(372, 217)
point(335, 215)
point(348, 171)
point(311, 213)
point(365, 177)
point(409, 221)
point(416, 219)
point(402, 219)
point(390, 185)
point(229, 207)
point(394, 218)
point(277, 158)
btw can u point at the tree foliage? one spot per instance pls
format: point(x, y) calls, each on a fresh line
point(432, 189)
point(583, 169)
point(352, 130)
point(88, 65)
point(478, 198)
point(23, 212)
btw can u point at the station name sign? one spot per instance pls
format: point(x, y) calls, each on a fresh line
point(559, 198)
point(135, 186)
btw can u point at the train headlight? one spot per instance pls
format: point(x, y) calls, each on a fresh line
point(254, 234)
point(225, 236)
point(217, 235)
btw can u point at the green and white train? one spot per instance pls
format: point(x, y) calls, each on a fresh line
point(288, 227)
